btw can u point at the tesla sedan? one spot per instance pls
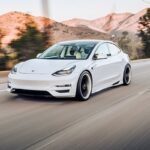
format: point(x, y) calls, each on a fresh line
point(75, 68)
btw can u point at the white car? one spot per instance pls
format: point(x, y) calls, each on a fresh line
point(75, 68)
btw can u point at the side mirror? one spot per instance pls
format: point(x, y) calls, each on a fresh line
point(98, 56)
point(38, 55)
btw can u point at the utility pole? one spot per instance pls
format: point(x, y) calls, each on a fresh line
point(45, 8)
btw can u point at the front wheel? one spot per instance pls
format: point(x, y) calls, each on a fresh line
point(84, 86)
point(127, 75)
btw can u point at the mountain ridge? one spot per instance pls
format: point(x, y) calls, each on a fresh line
point(12, 23)
point(111, 22)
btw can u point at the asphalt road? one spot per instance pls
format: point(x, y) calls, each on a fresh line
point(114, 119)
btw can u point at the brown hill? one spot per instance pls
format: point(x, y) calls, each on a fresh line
point(112, 22)
point(82, 22)
point(132, 23)
point(12, 23)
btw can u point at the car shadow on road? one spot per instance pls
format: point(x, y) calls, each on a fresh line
point(53, 100)
point(42, 99)
point(106, 90)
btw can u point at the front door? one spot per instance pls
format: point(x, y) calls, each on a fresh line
point(103, 71)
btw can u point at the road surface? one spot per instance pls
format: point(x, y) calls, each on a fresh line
point(114, 119)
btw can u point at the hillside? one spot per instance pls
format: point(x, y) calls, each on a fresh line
point(13, 22)
point(114, 22)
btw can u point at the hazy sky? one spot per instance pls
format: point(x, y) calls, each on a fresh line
point(67, 9)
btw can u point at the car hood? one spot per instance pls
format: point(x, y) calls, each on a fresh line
point(45, 66)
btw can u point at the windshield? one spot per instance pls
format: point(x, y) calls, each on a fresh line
point(79, 51)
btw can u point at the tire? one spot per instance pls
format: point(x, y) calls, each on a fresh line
point(84, 86)
point(127, 75)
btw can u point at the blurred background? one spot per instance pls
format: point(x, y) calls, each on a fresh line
point(30, 27)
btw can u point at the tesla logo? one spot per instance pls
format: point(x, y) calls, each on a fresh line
point(33, 70)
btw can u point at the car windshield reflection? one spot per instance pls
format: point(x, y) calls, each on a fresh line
point(75, 51)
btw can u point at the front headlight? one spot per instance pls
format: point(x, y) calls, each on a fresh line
point(65, 71)
point(14, 70)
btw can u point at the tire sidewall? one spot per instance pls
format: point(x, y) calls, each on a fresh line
point(78, 91)
point(124, 80)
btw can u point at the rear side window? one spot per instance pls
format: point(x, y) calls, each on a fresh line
point(114, 50)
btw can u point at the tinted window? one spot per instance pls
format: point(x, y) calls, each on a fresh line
point(114, 50)
point(103, 50)
point(79, 50)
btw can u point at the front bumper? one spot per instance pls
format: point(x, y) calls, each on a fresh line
point(64, 86)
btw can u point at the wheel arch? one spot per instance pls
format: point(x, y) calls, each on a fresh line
point(127, 64)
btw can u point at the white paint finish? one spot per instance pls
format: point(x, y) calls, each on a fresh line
point(36, 74)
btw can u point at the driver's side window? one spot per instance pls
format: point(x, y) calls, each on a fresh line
point(103, 50)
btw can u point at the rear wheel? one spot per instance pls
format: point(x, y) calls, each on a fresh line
point(84, 86)
point(127, 75)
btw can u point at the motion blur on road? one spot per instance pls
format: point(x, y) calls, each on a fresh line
point(113, 119)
